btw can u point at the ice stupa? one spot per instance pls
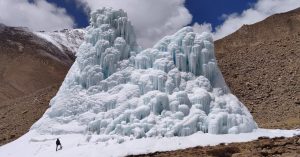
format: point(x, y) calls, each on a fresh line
point(116, 89)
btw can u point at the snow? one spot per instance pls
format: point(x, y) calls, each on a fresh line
point(64, 39)
point(77, 145)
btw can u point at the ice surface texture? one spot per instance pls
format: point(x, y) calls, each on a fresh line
point(172, 89)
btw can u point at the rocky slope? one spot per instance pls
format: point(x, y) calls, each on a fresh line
point(17, 115)
point(31, 70)
point(260, 63)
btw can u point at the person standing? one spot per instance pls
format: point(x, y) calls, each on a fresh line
point(58, 144)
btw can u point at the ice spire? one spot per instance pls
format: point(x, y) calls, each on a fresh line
point(110, 38)
point(172, 89)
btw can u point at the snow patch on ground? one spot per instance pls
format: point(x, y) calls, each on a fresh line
point(78, 145)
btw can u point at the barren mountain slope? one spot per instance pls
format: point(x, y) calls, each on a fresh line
point(261, 65)
point(274, 147)
point(17, 115)
point(29, 68)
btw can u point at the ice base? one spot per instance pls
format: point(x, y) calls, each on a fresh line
point(77, 145)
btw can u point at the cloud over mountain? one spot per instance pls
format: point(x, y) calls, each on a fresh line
point(36, 15)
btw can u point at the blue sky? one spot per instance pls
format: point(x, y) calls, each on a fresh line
point(201, 10)
point(74, 10)
point(211, 11)
point(152, 19)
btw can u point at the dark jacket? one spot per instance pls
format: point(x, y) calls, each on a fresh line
point(58, 142)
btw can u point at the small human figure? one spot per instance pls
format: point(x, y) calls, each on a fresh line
point(58, 144)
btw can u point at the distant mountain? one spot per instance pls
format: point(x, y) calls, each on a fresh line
point(261, 64)
point(66, 40)
point(32, 67)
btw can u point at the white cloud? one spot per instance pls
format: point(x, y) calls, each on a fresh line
point(259, 11)
point(199, 28)
point(152, 19)
point(38, 15)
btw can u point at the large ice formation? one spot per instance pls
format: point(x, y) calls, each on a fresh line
point(115, 89)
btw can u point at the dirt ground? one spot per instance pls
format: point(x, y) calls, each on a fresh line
point(262, 147)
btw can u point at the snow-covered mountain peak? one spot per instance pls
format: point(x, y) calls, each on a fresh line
point(115, 90)
point(65, 40)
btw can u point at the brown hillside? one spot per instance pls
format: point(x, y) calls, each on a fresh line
point(261, 65)
point(31, 69)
